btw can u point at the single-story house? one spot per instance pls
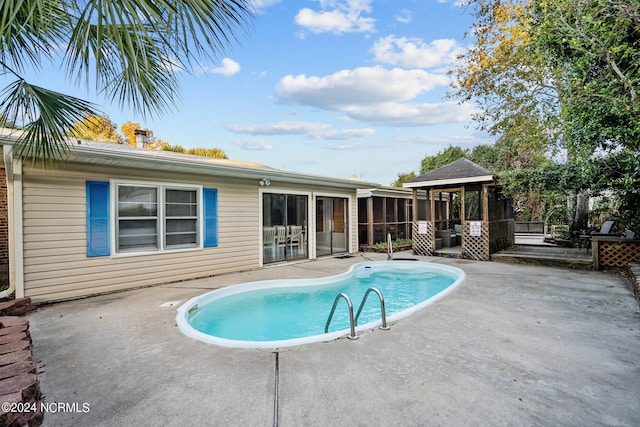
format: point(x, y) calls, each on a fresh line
point(113, 217)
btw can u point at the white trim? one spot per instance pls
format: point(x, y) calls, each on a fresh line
point(348, 237)
point(269, 190)
point(16, 229)
point(397, 192)
point(438, 182)
point(91, 152)
point(161, 187)
point(182, 317)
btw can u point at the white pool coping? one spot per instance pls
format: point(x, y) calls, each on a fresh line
point(186, 328)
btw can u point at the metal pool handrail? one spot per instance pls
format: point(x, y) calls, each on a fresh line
point(352, 335)
point(382, 310)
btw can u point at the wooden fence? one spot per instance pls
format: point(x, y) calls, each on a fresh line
point(529, 227)
point(614, 251)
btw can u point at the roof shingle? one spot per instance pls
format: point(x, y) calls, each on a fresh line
point(461, 168)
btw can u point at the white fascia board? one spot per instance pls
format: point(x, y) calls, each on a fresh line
point(92, 154)
point(440, 182)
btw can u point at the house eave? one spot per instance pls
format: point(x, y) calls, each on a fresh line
point(81, 152)
point(385, 191)
point(451, 181)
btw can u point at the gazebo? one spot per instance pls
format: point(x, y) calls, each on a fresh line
point(476, 216)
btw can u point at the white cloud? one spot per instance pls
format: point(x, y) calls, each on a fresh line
point(415, 52)
point(311, 129)
point(279, 128)
point(400, 114)
point(260, 5)
point(253, 145)
point(342, 134)
point(229, 68)
point(362, 86)
point(375, 95)
point(338, 17)
point(404, 16)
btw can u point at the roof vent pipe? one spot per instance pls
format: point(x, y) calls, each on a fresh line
point(141, 137)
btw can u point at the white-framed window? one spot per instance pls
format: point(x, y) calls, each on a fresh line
point(155, 217)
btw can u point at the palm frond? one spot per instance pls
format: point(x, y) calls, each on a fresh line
point(129, 48)
point(48, 117)
point(30, 29)
point(134, 46)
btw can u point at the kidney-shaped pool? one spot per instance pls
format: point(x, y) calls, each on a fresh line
point(289, 312)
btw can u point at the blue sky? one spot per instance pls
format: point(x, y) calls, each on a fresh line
point(340, 88)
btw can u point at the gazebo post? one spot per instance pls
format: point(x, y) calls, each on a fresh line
point(432, 207)
point(370, 220)
point(463, 224)
point(485, 204)
point(485, 217)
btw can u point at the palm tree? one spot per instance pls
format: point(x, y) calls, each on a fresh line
point(131, 49)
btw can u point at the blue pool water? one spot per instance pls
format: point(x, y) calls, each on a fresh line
point(280, 313)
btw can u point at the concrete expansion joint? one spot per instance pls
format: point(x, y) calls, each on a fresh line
point(276, 387)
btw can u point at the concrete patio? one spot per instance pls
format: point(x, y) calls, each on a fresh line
point(513, 345)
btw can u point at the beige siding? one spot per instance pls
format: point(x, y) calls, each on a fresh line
point(55, 261)
point(54, 210)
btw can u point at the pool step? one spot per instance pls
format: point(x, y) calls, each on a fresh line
point(538, 259)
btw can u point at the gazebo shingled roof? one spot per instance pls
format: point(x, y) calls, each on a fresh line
point(461, 171)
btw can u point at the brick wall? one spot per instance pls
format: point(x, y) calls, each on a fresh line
point(4, 229)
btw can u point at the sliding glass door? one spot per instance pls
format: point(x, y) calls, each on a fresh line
point(331, 225)
point(284, 227)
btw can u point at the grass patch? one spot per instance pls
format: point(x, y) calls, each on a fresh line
point(397, 245)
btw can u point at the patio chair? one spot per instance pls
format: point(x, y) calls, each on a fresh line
point(281, 237)
point(446, 236)
point(605, 230)
point(269, 238)
point(296, 237)
point(458, 229)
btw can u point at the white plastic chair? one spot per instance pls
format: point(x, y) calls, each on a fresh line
point(296, 237)
point(281, 237)
point(269, 237)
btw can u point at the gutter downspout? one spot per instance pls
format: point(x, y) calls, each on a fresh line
point(13, 169)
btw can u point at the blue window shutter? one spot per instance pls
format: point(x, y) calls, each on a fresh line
point(210, 205)
point(98, 236)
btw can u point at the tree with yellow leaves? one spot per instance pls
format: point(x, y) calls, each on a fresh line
point(101, 128)
point(96, 128)
point(507, 74)
point(129, 130)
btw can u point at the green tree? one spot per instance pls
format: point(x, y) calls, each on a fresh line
point(403, 177)
point(444, 157)
point(130, 49)
point(560, 73)
point(595, 47)
point(215, 153)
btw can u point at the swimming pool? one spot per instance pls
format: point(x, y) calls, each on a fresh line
point(283, 313)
